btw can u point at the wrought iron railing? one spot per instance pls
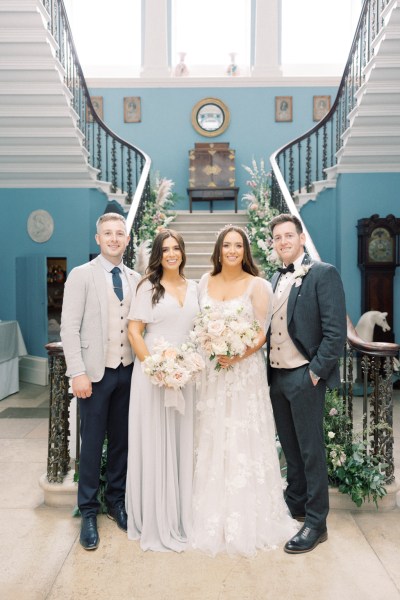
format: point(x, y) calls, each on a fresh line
point(124, 167)
point(295, 167)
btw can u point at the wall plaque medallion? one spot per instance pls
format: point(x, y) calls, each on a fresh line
point(40, 226)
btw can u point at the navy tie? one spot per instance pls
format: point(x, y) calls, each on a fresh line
point(117, 282)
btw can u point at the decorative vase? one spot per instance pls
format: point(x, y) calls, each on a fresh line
point(232, 69)
point(181, 69)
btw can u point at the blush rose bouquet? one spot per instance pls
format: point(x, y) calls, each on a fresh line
point(225, 331)
point(172, 367)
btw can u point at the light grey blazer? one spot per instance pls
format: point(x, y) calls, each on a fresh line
point(84, 318)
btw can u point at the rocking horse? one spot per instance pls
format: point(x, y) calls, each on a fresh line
point(366, 324)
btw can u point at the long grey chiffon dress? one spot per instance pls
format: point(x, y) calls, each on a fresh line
point(160, 456)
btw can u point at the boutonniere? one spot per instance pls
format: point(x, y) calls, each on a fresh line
point(300, 273)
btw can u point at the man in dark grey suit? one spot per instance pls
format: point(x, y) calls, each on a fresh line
point(306, 338)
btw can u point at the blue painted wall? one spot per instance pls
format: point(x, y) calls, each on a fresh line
point(74, 212)
point(332, 223)
point(167, 135)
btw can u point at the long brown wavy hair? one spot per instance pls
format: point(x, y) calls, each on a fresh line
point(154, 271)
point(248, 264)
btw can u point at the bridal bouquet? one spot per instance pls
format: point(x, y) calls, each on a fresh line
point(172, 367)
point(226, 331)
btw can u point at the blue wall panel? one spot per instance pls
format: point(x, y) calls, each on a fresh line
point(333, 227)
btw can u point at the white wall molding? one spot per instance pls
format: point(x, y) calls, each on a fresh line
point(214, 82)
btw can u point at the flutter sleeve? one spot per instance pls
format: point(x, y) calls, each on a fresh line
point(141, 308)
point(262, 301)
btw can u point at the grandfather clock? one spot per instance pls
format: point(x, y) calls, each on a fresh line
point(378, 257)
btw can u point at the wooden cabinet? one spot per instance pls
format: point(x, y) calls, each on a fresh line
point(212, 174)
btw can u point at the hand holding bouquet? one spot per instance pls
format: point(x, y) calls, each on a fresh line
point(172, 367)
point(226, 331)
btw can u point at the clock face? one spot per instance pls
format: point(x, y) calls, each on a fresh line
point(380, 246)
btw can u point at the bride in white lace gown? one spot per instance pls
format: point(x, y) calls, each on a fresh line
point(238, 504)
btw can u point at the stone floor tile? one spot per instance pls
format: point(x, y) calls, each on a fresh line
point(34, 545)
point(16, 428)
point(383, 535)
point(41, 431)
point(35, 450)
point(19, 484)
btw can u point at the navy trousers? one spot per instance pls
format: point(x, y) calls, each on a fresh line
point(104, 413)
point(298, 408)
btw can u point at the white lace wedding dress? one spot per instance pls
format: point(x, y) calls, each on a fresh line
point(238, 504)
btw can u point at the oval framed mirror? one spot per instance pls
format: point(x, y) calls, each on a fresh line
point(210, 117)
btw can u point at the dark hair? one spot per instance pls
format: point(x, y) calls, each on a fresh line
point(286, 218)
point(248, 264)
point(154, 271)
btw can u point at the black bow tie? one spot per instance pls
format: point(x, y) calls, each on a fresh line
point(288, 269)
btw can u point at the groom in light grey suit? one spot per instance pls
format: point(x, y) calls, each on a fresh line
point(99, 359)
point(306, 339)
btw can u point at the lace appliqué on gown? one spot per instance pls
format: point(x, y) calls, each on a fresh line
point(238, 503)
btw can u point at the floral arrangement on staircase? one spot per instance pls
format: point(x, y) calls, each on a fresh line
point(260, 213)
point(351, 468)
point(155, 216)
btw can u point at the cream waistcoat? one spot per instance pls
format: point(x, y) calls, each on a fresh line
point(119, 349)
point(283, 353)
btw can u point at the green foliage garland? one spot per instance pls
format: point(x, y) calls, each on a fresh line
point(351, 468)
point(260, 214)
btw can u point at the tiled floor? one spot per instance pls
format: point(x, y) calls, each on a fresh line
point(40, 555)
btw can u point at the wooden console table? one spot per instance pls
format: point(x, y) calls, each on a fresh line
point(202, 194)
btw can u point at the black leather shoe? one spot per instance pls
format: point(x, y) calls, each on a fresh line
point(306, 540)
point(118, 513)
point(89, 537)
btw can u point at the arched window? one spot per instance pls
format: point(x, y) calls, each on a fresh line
point(209, 31)
point(107, 36)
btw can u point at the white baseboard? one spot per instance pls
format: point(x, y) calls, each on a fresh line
point(34, 369)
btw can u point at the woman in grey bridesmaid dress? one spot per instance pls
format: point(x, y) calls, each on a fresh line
point(160, 457)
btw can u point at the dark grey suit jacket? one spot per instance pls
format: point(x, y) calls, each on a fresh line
point(316, 319)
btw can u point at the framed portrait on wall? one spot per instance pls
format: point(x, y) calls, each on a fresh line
point(132, 109)
point(283, 109)
point(97, 102)
point(321, 106)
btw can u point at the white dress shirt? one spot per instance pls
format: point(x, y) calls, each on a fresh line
point(288, 278)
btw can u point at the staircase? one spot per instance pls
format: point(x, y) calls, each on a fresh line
point(371, 143)
point(50, 134)
point(199, 231)
point(370, 134)
point(41, 143)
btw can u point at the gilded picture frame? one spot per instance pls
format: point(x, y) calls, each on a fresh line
point(321, 106)
point(132, 109)
point(283, 109)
